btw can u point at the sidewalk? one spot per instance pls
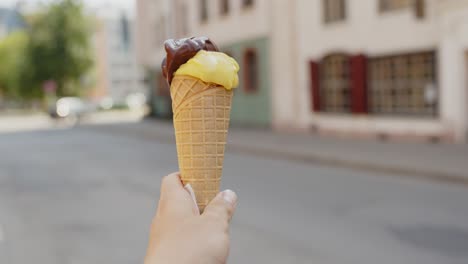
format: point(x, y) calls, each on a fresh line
point(441, 162)
point(10, 123)
point(24, 122)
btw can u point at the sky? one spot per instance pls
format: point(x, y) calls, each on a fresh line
point(93, 4)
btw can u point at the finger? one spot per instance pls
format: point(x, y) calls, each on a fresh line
point(171, 184)
point(222, 206)
point(174, 197)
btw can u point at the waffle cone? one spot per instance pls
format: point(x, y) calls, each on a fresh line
point(201, 122)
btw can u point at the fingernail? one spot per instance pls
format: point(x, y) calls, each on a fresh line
point(230, 197)
point(189, 188)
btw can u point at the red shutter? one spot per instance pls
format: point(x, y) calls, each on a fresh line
point(359, 84)
point(314, 86)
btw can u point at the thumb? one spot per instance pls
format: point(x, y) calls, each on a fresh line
point(222, 206)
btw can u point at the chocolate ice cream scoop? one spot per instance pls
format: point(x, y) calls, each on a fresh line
point(179, 51)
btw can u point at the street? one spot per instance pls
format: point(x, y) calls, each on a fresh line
point(87, 195)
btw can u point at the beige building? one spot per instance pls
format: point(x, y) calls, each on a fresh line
point(118, 75)
point(101, 82)
point(385, 68)
point(153, 28)
point(241, 28)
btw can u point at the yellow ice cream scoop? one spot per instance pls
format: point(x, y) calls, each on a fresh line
point(212, 67)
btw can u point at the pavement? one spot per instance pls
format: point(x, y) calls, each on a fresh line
point(427, 161)
point(11, 123)
point(87, 195)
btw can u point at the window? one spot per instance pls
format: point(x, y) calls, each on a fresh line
point(224, 7)
point(203, 10)
point(420, 8)
point(391, 5)
point(125, 32)
point(247, 3)
point(334, 10)
point(335, 90)
point(403, 85)
point(251, 71)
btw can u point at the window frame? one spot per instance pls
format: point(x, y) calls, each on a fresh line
point(324, 89)
point(224, 7)
point(420, 7)
point(248, 86)
point(204, 11)
point(382, 9)
point(388, 98)
point(247, 4)
point(328, 16)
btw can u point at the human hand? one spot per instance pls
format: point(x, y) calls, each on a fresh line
point(179, 234)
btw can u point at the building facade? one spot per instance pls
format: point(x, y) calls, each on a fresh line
point(153, 28)
point(221, 21)
point(373, 68)
point(241, 28)
point(118, 73)
point(385, 68)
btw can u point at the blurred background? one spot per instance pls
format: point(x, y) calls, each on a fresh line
point(348, 139)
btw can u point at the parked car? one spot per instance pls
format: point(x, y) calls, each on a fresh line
point(70, 107)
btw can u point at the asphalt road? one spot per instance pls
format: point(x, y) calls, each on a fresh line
point(87, 196)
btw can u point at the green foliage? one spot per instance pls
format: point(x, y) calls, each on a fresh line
point(59, 49)
point(13, 63)
point(55, 47)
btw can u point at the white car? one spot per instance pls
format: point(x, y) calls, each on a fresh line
point(69, 107)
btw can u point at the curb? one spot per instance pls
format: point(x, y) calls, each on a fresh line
point(408, 173)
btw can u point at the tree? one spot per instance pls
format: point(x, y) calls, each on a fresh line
point(59, 48)
point(14, 64)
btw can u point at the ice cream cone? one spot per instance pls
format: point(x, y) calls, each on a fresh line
point(201, 121)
